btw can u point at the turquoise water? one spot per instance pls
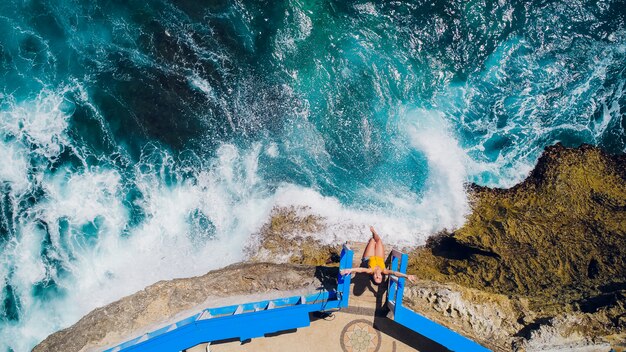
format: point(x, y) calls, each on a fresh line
point(142, 141)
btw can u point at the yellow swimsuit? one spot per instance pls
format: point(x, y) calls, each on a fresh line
point(376, 261)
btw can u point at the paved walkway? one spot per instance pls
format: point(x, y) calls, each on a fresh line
point(362, 327)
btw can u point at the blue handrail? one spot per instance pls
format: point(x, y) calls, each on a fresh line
point(416, 322)
point(256, 319)
point(245, 321)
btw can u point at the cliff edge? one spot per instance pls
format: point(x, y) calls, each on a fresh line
point(173, 300)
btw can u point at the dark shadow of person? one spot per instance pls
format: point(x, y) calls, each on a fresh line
point(399, 332)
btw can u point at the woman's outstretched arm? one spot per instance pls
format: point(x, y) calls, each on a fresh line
point(399, 274)
point(356, 270)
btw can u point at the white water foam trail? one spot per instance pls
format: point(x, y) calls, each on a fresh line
point(445, 202)
point(30, 131)
point(14, 167)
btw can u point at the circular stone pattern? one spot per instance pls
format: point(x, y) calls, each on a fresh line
point(360, 336)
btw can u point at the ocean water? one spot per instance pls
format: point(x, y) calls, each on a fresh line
point(147, 140)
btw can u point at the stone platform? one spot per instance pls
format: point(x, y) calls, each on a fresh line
point(362, 326)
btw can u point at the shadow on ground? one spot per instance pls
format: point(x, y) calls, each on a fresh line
point(361, 283)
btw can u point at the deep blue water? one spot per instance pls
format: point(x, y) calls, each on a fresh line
point(146, 140)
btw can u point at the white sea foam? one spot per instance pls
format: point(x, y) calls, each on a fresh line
point(161, 247)
point(203, 85)
point(367, 8)
point(30, 130)
point(345, 223)
point(41, 122)
point(445, 199)
point(14, 170)
point(272, 150)
point(298, 27)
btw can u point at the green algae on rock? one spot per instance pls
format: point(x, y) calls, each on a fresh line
point(560, 234)
point(558, 239)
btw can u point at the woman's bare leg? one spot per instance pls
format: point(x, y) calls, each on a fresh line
point(380, 249)
point(375, 234)
point(370, 249)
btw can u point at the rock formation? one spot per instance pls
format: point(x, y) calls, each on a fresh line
point(559, 235)
point(556, 240)
point(288, 237)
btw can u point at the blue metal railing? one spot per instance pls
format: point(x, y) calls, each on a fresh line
point(245, 321)
point(427, 328)
point(256, 319)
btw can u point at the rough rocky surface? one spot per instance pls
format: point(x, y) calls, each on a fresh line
point(287, 237)
point(559, 235)
point(487, 318)
point(173, 299)
point(557, 240)
point(507, 323)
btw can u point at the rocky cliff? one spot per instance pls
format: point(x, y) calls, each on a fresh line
point(540, 266)
point(560, 235)
point(556, 241)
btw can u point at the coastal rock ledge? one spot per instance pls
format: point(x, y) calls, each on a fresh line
point(539, 266)
point(169, 301)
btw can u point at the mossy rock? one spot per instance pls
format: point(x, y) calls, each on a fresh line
point(558, 237)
